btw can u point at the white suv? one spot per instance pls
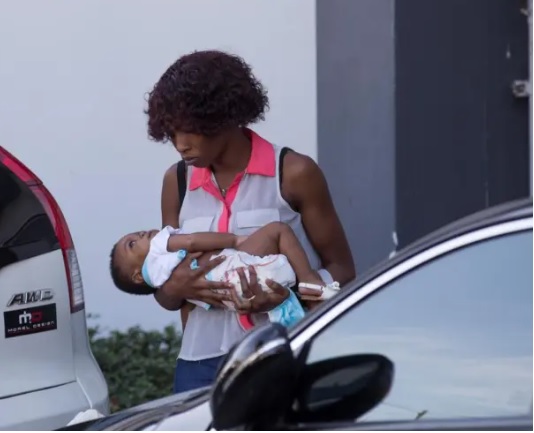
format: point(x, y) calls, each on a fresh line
point(47, 371)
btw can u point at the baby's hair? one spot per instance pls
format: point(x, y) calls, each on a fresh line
point(124, 282)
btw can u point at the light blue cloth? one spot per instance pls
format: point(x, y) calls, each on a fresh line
point(181, 255)
point(288, 312)
point(144, 273)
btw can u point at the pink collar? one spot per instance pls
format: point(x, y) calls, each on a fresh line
point(262, 162)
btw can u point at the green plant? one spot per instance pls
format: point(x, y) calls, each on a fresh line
point(138, 364)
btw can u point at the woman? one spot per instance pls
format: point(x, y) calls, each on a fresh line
point(236, 181)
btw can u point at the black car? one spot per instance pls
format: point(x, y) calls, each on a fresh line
point(437, 338)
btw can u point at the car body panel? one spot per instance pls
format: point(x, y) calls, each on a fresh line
point(87, 372)
point(44, 359)
point(197, 418)
point(47, 371)
point(44, 409)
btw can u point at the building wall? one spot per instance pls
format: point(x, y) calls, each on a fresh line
point(462, 137)
point(356, 134)
point(417, 123)
point(73, 75)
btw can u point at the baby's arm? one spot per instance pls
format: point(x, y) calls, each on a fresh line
point(202, 242)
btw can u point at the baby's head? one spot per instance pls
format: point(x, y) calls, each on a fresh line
point(126, 261)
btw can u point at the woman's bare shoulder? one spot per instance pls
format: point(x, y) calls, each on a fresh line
point(299, 167)
point(303, 181)
point(170, 206)
point(170, 173)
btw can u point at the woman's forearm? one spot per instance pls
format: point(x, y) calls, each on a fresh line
point(202, 242)
point(169, 302)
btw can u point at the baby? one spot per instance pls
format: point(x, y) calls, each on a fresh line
point(142, 262)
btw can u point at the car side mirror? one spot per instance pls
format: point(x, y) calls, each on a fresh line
point(340, 389)
point(255, 384)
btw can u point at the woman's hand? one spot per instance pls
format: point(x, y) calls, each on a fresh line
point(255, 299)
point(186, 283)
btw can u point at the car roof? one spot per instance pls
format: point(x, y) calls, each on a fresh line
point(513, 210)
point(491, 216)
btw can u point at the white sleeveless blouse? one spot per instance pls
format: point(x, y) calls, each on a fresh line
point(257, 202)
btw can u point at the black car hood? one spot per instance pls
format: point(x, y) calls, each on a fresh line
point(138, 417)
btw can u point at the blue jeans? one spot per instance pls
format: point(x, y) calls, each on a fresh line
point(190, 375)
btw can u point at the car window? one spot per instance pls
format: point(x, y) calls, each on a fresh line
point(458, 330)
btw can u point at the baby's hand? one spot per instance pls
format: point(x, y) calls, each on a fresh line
point(240, 240)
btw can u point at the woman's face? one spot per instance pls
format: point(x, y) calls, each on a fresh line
point(199, 150)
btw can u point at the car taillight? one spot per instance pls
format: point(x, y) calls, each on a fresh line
point(58, 222)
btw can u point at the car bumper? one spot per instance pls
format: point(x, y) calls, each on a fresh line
point(47, 409)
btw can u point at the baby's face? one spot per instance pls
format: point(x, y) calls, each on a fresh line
point(132, 250)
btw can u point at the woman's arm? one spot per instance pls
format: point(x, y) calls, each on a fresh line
point(170, 206)
point(202, 242)
point(304, 187)
point(185, 283)
point(170, 210)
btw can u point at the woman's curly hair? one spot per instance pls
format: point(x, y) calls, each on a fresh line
point(204, 93)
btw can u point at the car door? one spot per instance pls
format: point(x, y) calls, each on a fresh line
point(456, 322)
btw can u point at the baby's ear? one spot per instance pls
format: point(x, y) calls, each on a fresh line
point(137, 277)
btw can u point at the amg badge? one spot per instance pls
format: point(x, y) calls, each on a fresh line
point(30, 320)
point(31, 297)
